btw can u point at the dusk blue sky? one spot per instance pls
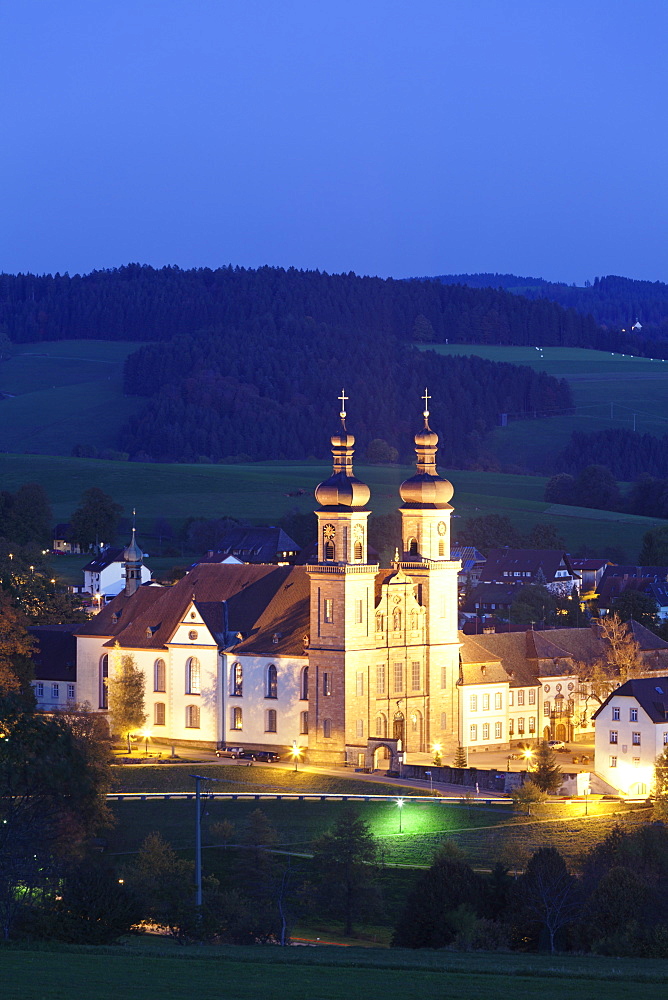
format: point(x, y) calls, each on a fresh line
point(387, 137)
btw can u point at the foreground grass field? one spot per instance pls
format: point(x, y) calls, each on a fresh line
point(140, 970)
point(260, 492)
point(609, 390)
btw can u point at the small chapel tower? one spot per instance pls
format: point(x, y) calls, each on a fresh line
point(133, 560)
point(342, 601)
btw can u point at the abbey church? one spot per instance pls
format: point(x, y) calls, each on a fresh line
point(347, 660)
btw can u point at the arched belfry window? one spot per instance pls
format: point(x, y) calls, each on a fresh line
point(272, 682)
point(412, 547)
point(357, 553)
point(330, 551)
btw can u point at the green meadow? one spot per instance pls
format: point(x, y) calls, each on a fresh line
point(147, 968)
point(609, 391)
point(61, 393)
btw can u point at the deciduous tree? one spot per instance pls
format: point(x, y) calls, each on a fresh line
point(96, 520)
point(126, 694)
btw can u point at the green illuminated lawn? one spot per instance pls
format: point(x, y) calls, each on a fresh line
point(144, 971)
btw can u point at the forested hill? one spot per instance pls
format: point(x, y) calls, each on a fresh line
point(138, 302)
point(268, 390)
point(613, 302)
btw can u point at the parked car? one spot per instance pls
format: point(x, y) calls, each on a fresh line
point(557, 745)
point(266, 756)
point(234, 752)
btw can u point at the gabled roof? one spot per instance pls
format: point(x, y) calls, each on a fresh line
point(105, 558)
point(589, 564)
point(492, 593)
point(285, 621)
point(115, 616)
point(468, 556)
point(650, 692)
point(508, 649)
point(253, 545)
point(525, 561)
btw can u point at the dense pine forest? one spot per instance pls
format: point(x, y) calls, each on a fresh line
point(614, 302)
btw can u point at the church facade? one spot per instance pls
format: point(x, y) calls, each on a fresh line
point(347, 660)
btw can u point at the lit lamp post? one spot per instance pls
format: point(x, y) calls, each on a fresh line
point(437, 754)
point(296, 753)
point(400, 805)
point(528, 756)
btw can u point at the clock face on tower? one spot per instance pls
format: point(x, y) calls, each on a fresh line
point(329, 531)
point(441, 527)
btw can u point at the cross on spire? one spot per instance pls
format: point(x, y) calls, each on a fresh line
point(343, 398)
point(426, 398)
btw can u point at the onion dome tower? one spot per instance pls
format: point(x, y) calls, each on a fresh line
point(133, 561)
point(425, 513)
point(342, 497)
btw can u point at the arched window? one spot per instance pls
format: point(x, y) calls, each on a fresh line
point(270, 720)
point(159, 716)
point(237, 680)
point(237, 719)
point(327, 728)
point(330, 551)
point(412, 547)
point(272, 682)
point(304, 685)
point(303, 723)
point(381, 725)
point(193, 676)
point(192, 716)
point(396, 619)
point(104, 681)
point(159, 676)
point(414, 620)
point(357, 552)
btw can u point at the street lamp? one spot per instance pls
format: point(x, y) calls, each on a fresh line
point(437, 753)
point(528, 756)
point(296, 753)
point(400, 805)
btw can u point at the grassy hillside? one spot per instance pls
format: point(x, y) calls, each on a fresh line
point(60, 394)
point(260, 492)
point(608, 389)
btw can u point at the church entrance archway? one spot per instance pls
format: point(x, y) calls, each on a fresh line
point(381, 758)
point(546, 733)
point(398, 727)
point(561, 733)
point(382, 753)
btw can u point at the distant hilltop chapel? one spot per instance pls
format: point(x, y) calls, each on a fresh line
point(349, 661)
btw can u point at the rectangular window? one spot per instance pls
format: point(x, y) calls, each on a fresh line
point(520, 697)
point(485, 703)
point(485, 730)
point(55, 690)
point(326, 684)
point(328, 613)
point(237, 718)
point(546, 709)
point(635, 739)
point(633, 715)
point(520, 726)
point(70, 692)
point(498, 700)
point(444, 676)
point(613, 762)
point(511, 726)
point(359, 684)
point(192, 716)
point(39, 690)
point(398, 677)
point(415, 675)
point(474, 734)
point(532, 724)
point(303, 723)
point(159, 714)
point(444, 720)
point(474, 702)
point(359, 729)
point(359, 612)
point(327, 728)
point(665, 739)
point(614, 736)
point(380, 679)
point(636, 761)
point(511, 699)
point(532, 696)
point(615, 715)
point(270, 721)
point(497, 730)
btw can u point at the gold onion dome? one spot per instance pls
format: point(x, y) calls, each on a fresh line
point(343, 488)
point(427, 488)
